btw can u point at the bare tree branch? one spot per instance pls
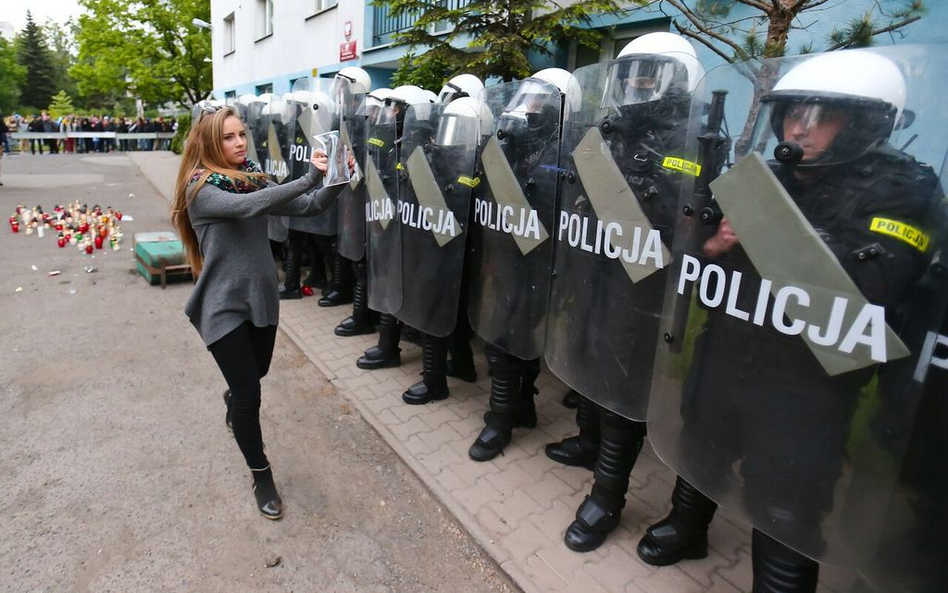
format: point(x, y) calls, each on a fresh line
point(706, 43)
point(687, 12)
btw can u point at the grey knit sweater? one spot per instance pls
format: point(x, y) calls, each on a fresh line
point(239, 280)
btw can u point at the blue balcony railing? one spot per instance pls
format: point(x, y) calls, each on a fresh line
point(385, 26)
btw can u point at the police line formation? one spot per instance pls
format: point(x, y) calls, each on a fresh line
point(748, 263)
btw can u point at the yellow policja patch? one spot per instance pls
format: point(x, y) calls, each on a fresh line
point(376, 142)
point(677, 164)
point(904, 232)
point(469, 182)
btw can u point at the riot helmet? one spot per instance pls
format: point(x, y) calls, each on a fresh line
point(432, 98)
point(398, 102)
point(654, 74)
point(374, 102)
point(832, 108)
point(462, 85)
point(539, 102)
point(464, 122)
point(356, 77)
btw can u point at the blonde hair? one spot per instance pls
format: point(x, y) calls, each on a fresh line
point(203, 154)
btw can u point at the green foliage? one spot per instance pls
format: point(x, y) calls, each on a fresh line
point(184, 126)
point(500, 35)
point(61, 105)
point(32, 54)
point(63, 49)
point(149, 48)
point(428, 74)
point(12, 77)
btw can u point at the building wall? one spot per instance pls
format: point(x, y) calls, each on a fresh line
point(301, 42)
point(304, 42)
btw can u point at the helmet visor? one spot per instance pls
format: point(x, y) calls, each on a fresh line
point(640, 79)
point(457, 130)
point(826, 131)
point(531, 96)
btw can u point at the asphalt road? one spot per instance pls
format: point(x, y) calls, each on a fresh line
point(118, 472)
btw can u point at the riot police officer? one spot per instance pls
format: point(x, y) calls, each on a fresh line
point(359, 108)
point(601, 339)
point(384, 260)
point(512, 252)
point(344, 274)
point(439, 154)
point(770, 394)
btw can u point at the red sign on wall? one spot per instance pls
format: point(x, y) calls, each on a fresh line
point(347, 51)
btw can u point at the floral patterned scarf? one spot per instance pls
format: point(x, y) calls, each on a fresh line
point(234, 186)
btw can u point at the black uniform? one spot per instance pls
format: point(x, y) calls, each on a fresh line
point(760, 392)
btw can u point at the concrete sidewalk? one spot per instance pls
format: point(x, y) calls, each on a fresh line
point(518, 505)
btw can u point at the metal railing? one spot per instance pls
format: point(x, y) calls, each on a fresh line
point(115, 135)
point(385, 26)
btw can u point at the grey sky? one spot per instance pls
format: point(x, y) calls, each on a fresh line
point(14, 11)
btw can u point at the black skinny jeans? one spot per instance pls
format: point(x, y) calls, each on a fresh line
point(244, 357)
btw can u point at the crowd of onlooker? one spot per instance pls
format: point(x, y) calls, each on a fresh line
point(73, 123)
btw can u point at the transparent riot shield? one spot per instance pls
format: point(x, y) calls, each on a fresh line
point(243, 106)
point(352, 199)
point(613, 235)
point(383, 239)
point(437, 154)
point(802, 297)
point(268, 150)
point(511, 250)
point(312, 111)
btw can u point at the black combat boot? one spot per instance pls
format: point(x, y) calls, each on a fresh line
point(504, 392)
point(360, 322)
point(264, 491)
point(291, 267)
point(571, 399)
point(317, 246)
point(620, 444)
point(386, 353)
point(683, 534)
point(341, 292)
point(778, 569)
point(581, 450)
point(434, 385)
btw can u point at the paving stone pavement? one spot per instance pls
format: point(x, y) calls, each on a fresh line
point(518, 505)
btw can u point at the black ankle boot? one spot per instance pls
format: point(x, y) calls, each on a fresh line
point(574, 451)
point(683, 534)
point(434, 386)
point(494, 437)
point(571, 399)
point(386, 353)
point(595, 520)
point(334, 298)
point(229, 415)
point(581, 450)
point(264, 491)
point(359, 323)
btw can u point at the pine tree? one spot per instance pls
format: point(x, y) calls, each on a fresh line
point(61, 105)
point(33, 55)
point(501, 35)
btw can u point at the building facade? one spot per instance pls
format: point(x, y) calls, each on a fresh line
point(265, 45)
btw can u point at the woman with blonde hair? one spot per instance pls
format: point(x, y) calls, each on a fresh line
point(220, 207)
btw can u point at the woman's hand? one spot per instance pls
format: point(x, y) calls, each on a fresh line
point(722, 241)
point(352, 165)
point(320, 160)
